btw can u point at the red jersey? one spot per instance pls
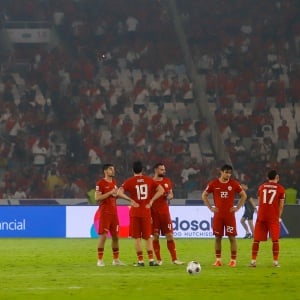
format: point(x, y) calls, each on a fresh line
point(108, 205)
point(140, 188)
point(223, 194)
point(269, 196)
point(161, 204)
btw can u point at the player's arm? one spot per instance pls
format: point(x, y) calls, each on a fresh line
point(159, 192)
point(170, 195)
point(121, 194)
point(251, 200)
point(100, 197)
point(243, 197)
point(281, 205)
point(206, 201)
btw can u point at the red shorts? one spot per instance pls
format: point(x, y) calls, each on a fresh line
point(108, 223)
point(263, 228)
point(140, 227)
point(225, 223)
point(161, 223)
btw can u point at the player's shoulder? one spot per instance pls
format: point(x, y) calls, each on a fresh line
point(129, 179)
point(213, 182)
point(143, 179)
point(234, 181)
point(281, 187)
point(100, 181)
point(167, 179)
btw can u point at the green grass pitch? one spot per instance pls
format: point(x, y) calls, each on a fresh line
point(66, 269)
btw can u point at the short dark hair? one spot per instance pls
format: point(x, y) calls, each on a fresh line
point(158, 165)
point(106, 166)
point(137, 167)
point(226, 168)
point(272, 174)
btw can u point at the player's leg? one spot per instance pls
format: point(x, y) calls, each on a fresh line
point(172, 249)
point(156, 232)
point(156, 247)
point(218, 251)
point(233, 250)
point(251, 226)
point(275, 236)
point(115, 244)
point(218, 230)
point(245, 226)
point(135, 233)
point(230, 231)
point(102, 231)
point(260, 234)
point(114, 231)
point(171, 245)
point(100, 248)
point(167, 231)
point(115, 251)
point(146, 235)
point(150, 252)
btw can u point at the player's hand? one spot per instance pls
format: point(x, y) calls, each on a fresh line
point(233, 209)
point(148, 205)
point(134, 204)
point(214, 209)
point(114, 192)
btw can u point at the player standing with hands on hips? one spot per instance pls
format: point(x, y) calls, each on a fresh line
point(161, 218)
point(224, 190)
point(106, 195)
point(141, 191)
point(271, 197)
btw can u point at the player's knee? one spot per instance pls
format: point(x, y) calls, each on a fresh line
point(169, 237)
point(155, 237)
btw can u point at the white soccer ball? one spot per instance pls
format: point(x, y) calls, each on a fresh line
point(193, 267)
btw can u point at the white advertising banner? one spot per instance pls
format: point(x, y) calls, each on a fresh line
point(29, 35)
point(188, 221)
point(80, 221)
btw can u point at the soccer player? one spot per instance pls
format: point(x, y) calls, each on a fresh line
point(224, 190)
point(250, 208)
point(141, 191)
point(106, 195)
point(161, 218)
point(271, 197)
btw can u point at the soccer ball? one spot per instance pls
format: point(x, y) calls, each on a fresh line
point(193, 267)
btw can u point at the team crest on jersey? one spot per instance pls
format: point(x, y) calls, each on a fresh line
point(166, 185)
point(229, 188)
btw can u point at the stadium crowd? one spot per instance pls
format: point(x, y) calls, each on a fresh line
point(114, 88)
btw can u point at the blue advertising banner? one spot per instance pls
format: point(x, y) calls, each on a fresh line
point(33, 221)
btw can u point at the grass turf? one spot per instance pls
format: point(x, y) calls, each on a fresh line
point(66, 269)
